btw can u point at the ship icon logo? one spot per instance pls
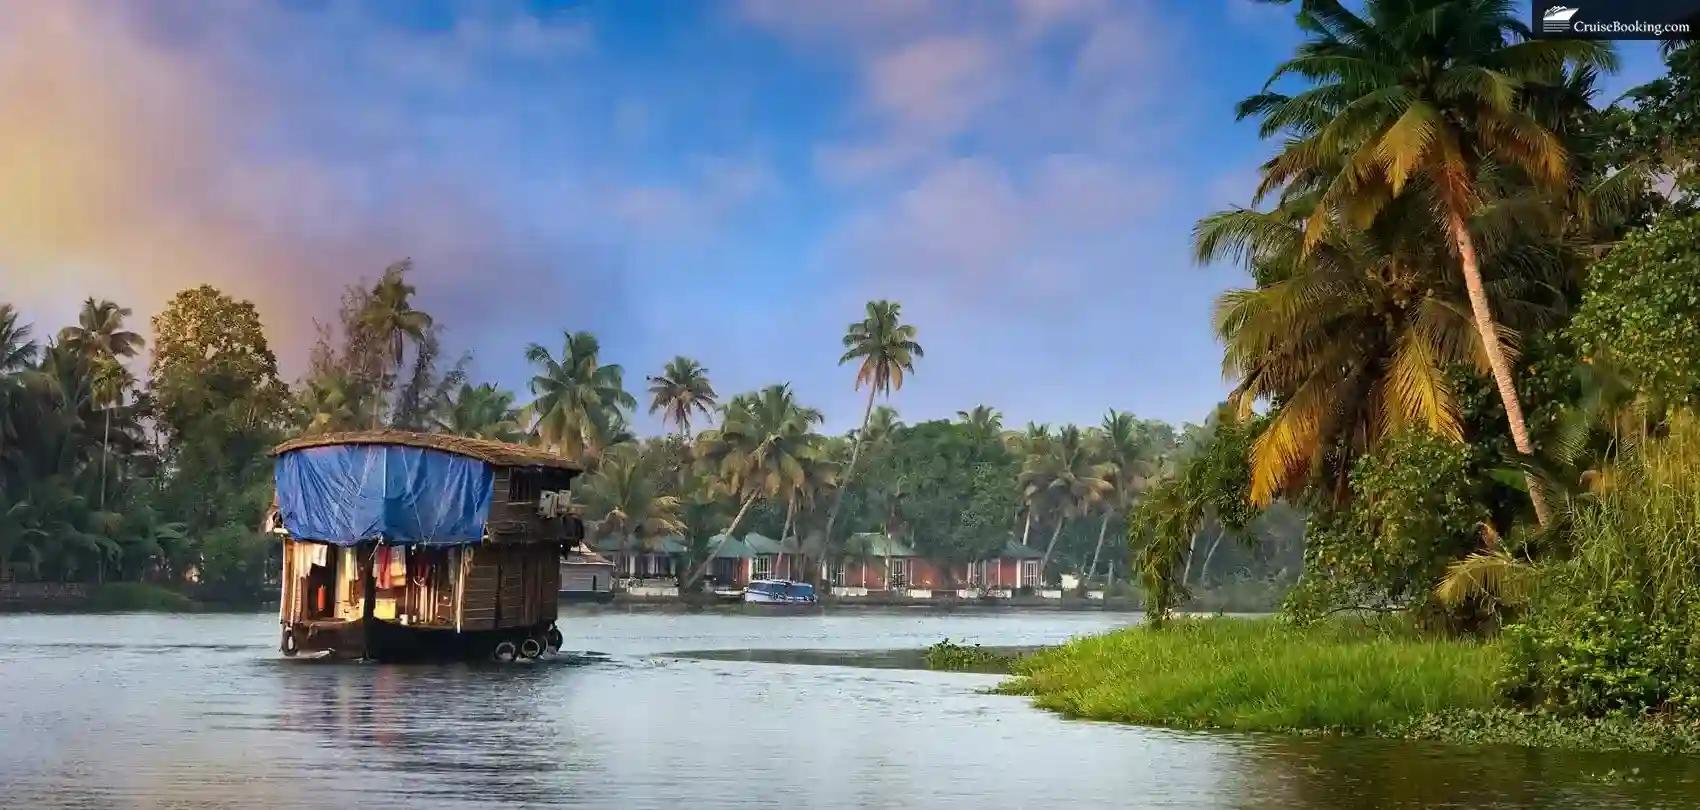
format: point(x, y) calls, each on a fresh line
point(1556, 20)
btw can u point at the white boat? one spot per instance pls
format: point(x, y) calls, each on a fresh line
point(779, 592)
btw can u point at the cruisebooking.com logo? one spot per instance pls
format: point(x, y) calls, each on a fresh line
point(1560, 20)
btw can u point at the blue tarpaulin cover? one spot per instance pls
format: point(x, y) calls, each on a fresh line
point(347, 494)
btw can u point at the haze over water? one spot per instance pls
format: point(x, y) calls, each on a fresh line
point(162, 711)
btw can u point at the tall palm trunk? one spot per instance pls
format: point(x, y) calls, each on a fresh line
point(1092, 570)
point(1191, 549)
point(1204, 569)
point(702, 567)
point(1026, 526)
point(1496, 354)
point(1045, 561)
point(850, 469)
point(105, 452)
point(785, 531)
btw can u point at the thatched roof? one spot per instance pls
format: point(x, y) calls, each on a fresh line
point(500, 454)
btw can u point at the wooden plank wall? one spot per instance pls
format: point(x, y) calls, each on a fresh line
point(510, 586)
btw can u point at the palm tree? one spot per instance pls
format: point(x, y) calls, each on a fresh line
point(1066, 480)
point(1424, 95)
point(481, 412)
point(623, 494)
point(17, 349)
point(764, 448)
point(104, 344)
point(881, 427)
point(580, 403)
point(1121, 447)
point(1355, 332)
point(391, 320)
point(886, 349)
point(984, 423)
point(17, 357)
point(334, 403)
point(1033, 440)
point(681, 390)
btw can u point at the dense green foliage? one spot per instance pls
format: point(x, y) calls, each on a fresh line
point(1472, 329)
point(1640, 306)
point(1414, 511)
point(1614, 625)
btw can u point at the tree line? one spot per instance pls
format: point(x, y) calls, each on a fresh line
point(103, 478)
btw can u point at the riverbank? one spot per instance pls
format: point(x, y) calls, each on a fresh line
point(1346, 677)
point(114, 597)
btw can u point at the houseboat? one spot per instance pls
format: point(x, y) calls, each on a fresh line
point(779, 592)
point(404, 545)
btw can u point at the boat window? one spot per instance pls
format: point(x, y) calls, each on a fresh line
point(523, 486)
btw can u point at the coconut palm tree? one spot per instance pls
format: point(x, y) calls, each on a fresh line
point(1065, 480)
point(1354, 332)
point(681, 390)
point(18, 349)
point(334, 403)
point(1033, 440)
point(580, 402)
point(1122, 450)
point(881, 427)
point(763, 449)
point(104, 344)
point(390, 319)
point(480, 412)
point(885, 349)
point(1429, 96)
point(984, 423)
point(623, 495)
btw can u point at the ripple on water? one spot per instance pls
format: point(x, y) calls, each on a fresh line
point(200, 712)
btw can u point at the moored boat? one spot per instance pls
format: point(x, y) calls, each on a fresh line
point(404, 545)
point(779, 592)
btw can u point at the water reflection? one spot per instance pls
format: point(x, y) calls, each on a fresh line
point(1389, 775)
point(199, 712)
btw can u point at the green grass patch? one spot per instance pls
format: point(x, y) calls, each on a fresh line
point(123, 597)
point(960, 658)
point(1346, 676)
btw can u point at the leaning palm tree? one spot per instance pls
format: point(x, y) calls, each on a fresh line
point(763, 448)
point(885, 349)
point(1428, 95)
point(681, 390)
point(1354, 332)
point(391, 321)
point(580, 402)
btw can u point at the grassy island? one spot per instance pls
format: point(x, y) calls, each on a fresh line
point(1261, 675)
point(1345, 677)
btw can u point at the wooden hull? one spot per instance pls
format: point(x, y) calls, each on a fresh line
point(389, 642)
point(393, 604)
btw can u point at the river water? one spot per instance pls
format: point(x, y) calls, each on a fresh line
point(158, 711)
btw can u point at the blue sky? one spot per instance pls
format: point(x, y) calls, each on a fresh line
point(727, 179)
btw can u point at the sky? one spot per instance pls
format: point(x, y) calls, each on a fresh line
point(731, 180)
